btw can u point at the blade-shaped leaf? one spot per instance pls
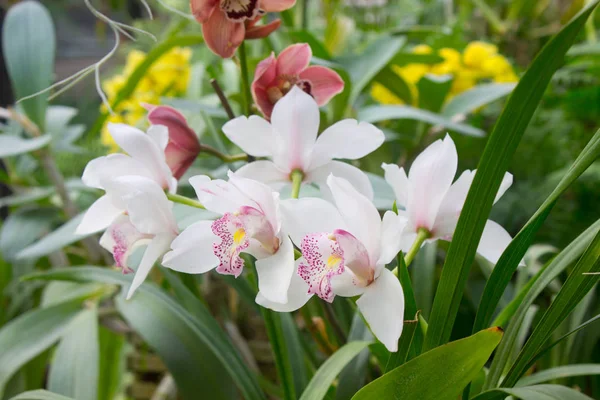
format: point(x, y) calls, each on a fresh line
point(354, 374)
point(508, 262)
point(564, 371)
point(29, 43)
point(537, 392)
point(325, 375)
point(494, 162)
point(194, 336)
point(40, 395)
point(33, 332)
point(382, 113)
point(441, 373)
point(13, 145)
point(74, 369)
point(556, 267)
point(476, 97)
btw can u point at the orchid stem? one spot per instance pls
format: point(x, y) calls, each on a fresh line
point(226, 106)
point(422, 235)
point(245, 81)
point(297, 177)
point(177, 198)
point(223, 157)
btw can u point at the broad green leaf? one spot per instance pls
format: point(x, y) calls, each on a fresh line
point(494, 162)
point(578, 284)
point(423, 277)
point(13, 145)
point(354, 374)
point(395, 84)
point(363, 67)
point(40, 395)
point(508, 262)
point(59, 292)
point(402, 58)
point(74, 369)
point(112, 364)
point(30, 334)
point(391, 112)
point(433, 90)
point(294, 349)
point(584, 49)
point(537, 392)
point(564, 371)
point(151, 307)
point(29, 43)
point(476, 97)
point(56, 240)
point(28, 196)
point(441, 373)
point(565, 258)
point(273, 324)
point(325, 375)
point(24, 227)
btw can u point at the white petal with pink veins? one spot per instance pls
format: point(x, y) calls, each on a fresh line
point(121, 238)
point(192, 251)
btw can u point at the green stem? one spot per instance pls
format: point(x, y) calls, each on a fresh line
point(305, 14)
point(297, 177)
point(245, 81)
point(177, 198)
point(422, 235)
point(223, 157)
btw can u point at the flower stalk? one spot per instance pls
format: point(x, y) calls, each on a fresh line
point(297, 177)
point(222, 156)
point(422, 235)
point(177, 198)
point(244, 76)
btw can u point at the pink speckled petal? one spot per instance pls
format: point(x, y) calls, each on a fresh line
point(230, 229)
point(121, 238)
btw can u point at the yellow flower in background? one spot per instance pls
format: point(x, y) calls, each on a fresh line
point(168, 76)
point(478, 62)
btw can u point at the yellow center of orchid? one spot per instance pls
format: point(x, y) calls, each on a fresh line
point(333, 261)
point(238, 236)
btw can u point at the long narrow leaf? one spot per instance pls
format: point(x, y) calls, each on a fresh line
point(564, 371)
point(493, 164)
point(515, 251)
point(536, 392)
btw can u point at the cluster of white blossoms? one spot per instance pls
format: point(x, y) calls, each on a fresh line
point(344, 242)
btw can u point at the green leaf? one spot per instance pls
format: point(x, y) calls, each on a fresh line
point(537, 392)
point(391, 112)
point(55, 240)
point(283, 364)
point(354, 374)
point(585, 49)
point(24, 227)
point(317, 47)
point(441, 373)
point(395, 84)
point(294, 349)
point(494, 162)
point(183, 341)
point(30, 334)
point(40, 395)
point(476, 97)
point(112, 364)
point(433, 90)
point(13, 145)
point(29, 43)
point(415, 58)
point(74, 369)
point(363, 67)
point(555, 268)
point(564, 371)
point(578, 284)
point(325, 375)
point(514, 253)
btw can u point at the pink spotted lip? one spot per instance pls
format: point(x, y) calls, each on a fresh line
point(234, 240)
point(324, 259)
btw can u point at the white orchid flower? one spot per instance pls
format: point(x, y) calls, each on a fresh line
point(250, 223)
point(345, 249)
point(145, 158)
point(291, 144)
point(148, 221)
point(433, 203)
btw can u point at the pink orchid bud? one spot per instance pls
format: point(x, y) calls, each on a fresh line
point(183, 146)
point(276, 76)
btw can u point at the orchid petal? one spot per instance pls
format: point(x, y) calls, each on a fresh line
point(262, 31)
point(143, 148)
point(392, 227)
point(277, 5)
point(397, 179)
point(101, 169)
point(222, 36)
point(356, 257)
point(382, 305)
point(293, 59)
point(156, 248)
point(233, 240)
point(359, 213)
point(345, 285)
point(506, 183)
point(308, 215)
point(121, 239)
point(264, 171)
point(297, 294)
point(431, 176)
point(347, 139)
point(192, 251)
point(324, 82)
point(295, 119)
point(202, 9)
point(98, 217)
point(260, 194)
point(494, 241)
point(217, 195)
point(160, 135)
point(275, 273)
point(253, 135)
point(451, 206)
point(355, 176)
